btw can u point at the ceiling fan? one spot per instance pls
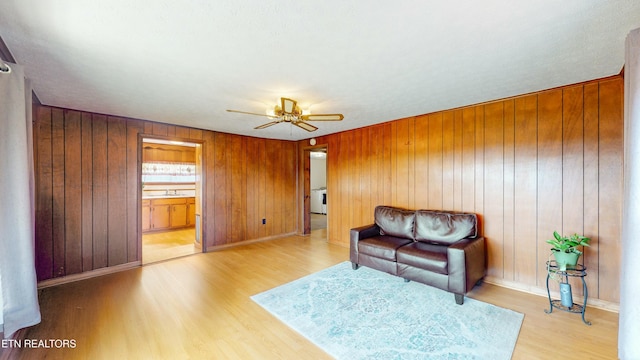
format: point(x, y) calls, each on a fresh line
point(289, 111)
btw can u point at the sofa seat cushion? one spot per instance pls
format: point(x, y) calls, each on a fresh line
point(382, 246)
point(425, 256)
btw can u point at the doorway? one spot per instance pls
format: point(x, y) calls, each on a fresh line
point(171, 197)
point(315, 201)
point(318, 186)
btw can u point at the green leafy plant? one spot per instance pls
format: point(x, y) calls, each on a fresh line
point(568, 244)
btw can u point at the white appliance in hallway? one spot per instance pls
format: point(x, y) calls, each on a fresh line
point(319, 201)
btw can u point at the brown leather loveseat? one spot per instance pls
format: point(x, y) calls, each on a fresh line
point(437, 248)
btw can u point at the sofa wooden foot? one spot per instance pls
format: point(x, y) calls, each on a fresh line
point(459, 299)
point(354, 266)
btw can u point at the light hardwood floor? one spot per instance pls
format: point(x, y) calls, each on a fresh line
point(166, 245)
point(318, 221)
point(198, 307)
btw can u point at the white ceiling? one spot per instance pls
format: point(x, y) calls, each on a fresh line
point(186, 62)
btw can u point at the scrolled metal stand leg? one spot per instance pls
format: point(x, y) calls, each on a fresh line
point(549, 296)
point(584, 306)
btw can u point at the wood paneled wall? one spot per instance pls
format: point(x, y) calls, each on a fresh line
point(527, 166)
point(168, 153)
point(86, 191)
point(88, 188)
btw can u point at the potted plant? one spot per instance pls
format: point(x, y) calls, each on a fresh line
point(565, 249)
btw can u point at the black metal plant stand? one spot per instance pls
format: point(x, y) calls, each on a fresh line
point(578, 271)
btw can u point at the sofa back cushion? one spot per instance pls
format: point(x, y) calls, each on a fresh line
point(394, 221)
point(442, 227)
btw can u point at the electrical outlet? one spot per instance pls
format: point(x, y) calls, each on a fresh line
point(264, 221)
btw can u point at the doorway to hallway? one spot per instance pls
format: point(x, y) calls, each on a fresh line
point(318, 201)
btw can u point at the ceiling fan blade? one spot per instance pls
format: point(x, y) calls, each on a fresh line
point(323, 117)
point(266, 125)
point(304, 125)
point(249, 113)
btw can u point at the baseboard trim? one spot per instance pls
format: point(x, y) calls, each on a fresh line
point(252, 241)
point(88, 274)
point(122, 267)
point(591, 302)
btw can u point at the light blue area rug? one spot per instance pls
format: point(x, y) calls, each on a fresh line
point(368, 314)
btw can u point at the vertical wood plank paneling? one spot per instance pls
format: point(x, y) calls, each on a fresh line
point(591, 197)
point(236, 186)
point(387, 162)
point(525, 190)
point(572, 160)
point(468, 159)
point(364, 212)
point(402, 164)
point(457, 160)
point(57, 146)
point(44, 194)
point(133, 196)
point(290, 194)
point(448, 122)
point(252, 184)
point(242, 216)
point(508, 219)
point(230, 151)
point(479, 168)
point(434, 182)
point(344, 197)
point(279, 189)
point(393, 158)
point(494, 187)
point(72, 192)
point(352, 190)
point(117, 191)
point(610, 182)
point(411, 145)
point(182, 132)
point(333, 188)
point(262, 185)
point(148, 127)
point(352, 170)
point(220, 189)
point(273, 167)
point(196, 134)
point(422, 161)
point(355, 149)
point(549, 175)
point(171, 130)
point(100, 192)
point(209, 203)
point(376, 181)
point(572, 166)
point(159, 129)
point(87, 192)
point(271, 161)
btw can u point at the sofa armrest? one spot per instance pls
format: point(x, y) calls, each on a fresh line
point(360, 233)
point(467, 264)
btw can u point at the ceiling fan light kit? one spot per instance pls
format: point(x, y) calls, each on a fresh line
point(289, 111)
